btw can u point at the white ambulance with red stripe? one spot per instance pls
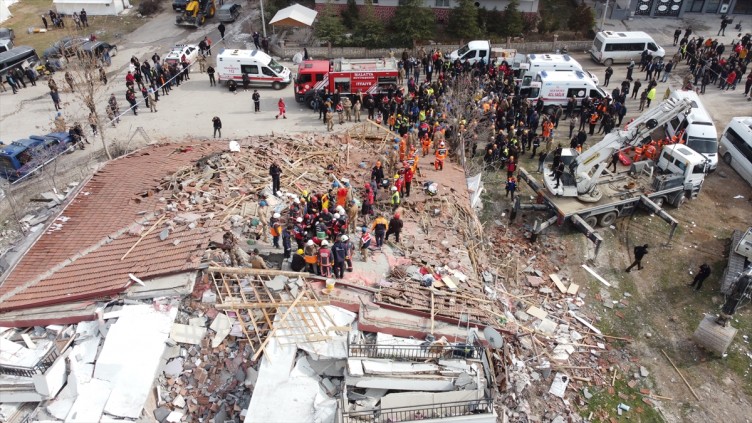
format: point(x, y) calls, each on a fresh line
point(557, 87)
point(262, 70)
point(348, 76)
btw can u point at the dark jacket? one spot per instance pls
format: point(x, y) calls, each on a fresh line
point(640, 252)
point(395, 225)
point(339, 251)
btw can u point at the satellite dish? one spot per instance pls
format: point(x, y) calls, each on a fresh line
point(493, 337)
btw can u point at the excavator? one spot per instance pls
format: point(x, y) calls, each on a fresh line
point(196, 13)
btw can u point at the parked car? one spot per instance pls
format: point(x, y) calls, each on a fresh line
point(228, 12)
point(24, 156)
point(65, 47)
point(189, 51)
point(179, 5)
point(97, 48)
point(6, 44)
point(7, 34)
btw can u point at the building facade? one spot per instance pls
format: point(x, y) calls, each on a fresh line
point(624, 9)
point(384, 9)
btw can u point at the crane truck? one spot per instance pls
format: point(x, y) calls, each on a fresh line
point(196, 13)
point(589, 195)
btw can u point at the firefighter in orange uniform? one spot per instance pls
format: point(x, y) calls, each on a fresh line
point(425, 143)
point(441, 155)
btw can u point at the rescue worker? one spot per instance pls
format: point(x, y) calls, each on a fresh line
point(379, 229)
point(347, 107)
point(275, 229)
point(395, 227)
point(409, 174)
point(287, 241)
point(425, 144)
point(339, 254)
point(640, 251)
point(310, 255)
point(298, 263)
point(329, 117)
point(701, 276)
point(352, 215)
point(395, 198)
point(441, 155)
point(325, 260)
point(350, 250)
point(365, 243)
point(257, 262)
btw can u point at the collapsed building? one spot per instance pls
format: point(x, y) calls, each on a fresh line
point(122, 309)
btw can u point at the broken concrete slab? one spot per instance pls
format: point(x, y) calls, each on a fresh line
point(174, 368)
point(222, 325)
point(187, 334)
point(547, 327)
point(209, 297)
point(161, 413)
point(276, 284)
point(537, 312)
point(559, 386)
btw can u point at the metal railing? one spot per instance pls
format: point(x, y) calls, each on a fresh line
point(40, 368)
point(421, 412)
point(413, 353)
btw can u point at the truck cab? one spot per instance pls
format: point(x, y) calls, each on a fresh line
point(680, 160)
point(309, 73)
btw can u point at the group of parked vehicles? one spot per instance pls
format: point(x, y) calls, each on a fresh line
point(194, 13)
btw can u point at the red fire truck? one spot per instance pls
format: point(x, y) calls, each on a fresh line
point(372, 76)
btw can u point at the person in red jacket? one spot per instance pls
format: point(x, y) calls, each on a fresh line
point(731, 80)
point(282, 110)
point(325, 259)
point(511, 167)
point(409, 175)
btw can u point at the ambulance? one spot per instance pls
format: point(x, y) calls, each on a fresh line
point(557, 87)
point(262, 70)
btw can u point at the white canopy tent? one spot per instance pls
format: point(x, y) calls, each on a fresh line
point(295, 15)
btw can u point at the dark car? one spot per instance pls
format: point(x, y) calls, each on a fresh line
point(7, 34)
point(179, 5)
point(97, 48)
point(65, 47)
point(228, 12)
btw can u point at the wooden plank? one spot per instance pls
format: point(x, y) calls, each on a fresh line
point(449, 283)
point(682, 376)
point(585, 322)
point(573, 288)
point(245, 305)
point(597, 276)
point(274, 329)
point(143, 236)
point(265, 272)
point(557, 281)
point(537, 312)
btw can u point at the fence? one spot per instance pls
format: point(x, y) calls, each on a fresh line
point(420, 412)
point(362, 52)
point(413, 353)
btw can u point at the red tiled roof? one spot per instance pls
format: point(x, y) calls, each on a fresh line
point(82, 260)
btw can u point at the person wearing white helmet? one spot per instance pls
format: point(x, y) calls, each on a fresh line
point(311, 256)
point(339, 254)
point(441, 154)
point(395, 200)
point(325, 260)
point(349, 250)
point(275, 229)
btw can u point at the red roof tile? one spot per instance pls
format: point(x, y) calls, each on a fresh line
point(82, 260)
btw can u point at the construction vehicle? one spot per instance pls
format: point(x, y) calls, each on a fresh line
point(348, 76)
point(589, 195)
point(196, 13)
point(715, 333)
point(740, 258)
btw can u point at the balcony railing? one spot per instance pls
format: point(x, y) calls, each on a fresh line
point(40, 368)
point(415, 413)
point(413, 352)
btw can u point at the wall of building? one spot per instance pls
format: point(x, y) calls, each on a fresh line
point(362, 52)
point(113, 7)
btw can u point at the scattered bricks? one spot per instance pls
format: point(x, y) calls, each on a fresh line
point(611, 390)
point(644, 391)
point(619, 314)
point(623, 396)
point(647, 401)
point(632, 383)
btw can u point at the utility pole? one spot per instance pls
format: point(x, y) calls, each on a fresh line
point(263, 21)
point(603, 18)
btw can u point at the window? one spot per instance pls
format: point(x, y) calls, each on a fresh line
point(442, 3)
point(249, 69)
point(744, 148)
point(304, 78)
point(597, 44)
point(578, 93)
point(596, 94)
point(625, 47)
point(482, 53)
point(267, 72)
point(342, 85)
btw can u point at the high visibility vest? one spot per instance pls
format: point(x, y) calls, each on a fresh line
point(395, 198)
point(441, 153)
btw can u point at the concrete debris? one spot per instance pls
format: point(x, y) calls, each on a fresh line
point(559, 386)
point(644, 372)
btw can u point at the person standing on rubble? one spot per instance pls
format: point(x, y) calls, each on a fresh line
point(395, 227)
point(298, 263)
point(257, 262)
point(639, 252)
point(310, 255)
point(339, 253)
point(379, 229)
point(365, 243)
point(275, 229)
point(352, 215)
point(276, 173)
point(325, 260)
point(287, 241)
point(350, 250)
point(262, 213)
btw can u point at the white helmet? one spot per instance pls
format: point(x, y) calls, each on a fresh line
point(310, 242)
point(297, 201)
point(299, 220)
point(336, 215)
point(441, 144)
point(394, 188)
point(324, 243)
point(344, 238)
point(276, 215)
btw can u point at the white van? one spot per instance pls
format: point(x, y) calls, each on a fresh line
point(736, 146)
point(699, 134)
point(620, 47)
point(692, 97)
point(476, 50)
point(552, 63)
point(262, 70)
point(556, 88)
